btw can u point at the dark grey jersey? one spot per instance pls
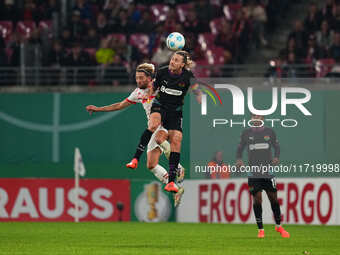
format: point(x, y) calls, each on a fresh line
point(259, 143)
point(172, 88)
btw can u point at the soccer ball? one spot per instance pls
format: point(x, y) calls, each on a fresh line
point(175, 41)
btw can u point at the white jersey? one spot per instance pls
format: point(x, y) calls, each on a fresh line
point(137, 97)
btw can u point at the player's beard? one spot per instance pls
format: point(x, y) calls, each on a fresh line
point(143, 86)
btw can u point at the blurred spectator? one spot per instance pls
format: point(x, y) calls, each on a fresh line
point(314, 52)
point(255, 12)
point(52, 7)
point(192, 24)
point(324, 37)
point(171, 21)
point(299, 35)
point(92, 39)
point(193, 47)
point(102, 27)
point(32, 12)
point(291, 48)
point(84, 9)
point(241, 30)
point(124, 24)
point(162, 55)
point(78, 58)
point(313, 19)
point(3, 63)
point(8, 11)
point(275, 69)
point(133, 13)
point(334, 20)
point(55, 60)
point(290, 69)
point(205, 12)
point(327, 10)
point(66, 38)
point(334, 51)
point(105, 53)
point(225, 38)
point(145, 24)
point(111, 9)
point(117, 73)
point(77, 26)
point(218, 169)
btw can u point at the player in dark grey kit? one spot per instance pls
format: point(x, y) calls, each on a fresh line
point(172, 83)
point(259, 141)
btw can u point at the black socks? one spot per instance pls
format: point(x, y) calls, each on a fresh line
point(173, 164)
point(144, 140)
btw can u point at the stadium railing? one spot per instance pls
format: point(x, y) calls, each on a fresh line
point(120, 76)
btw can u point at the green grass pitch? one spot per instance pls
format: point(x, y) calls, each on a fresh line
point(163, 238)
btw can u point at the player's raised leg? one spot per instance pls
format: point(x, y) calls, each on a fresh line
point(175, 144)
point(277, 213)
point(152, 164)
point(154, 122)
point(162, 141)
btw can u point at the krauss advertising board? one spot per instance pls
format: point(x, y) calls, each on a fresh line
point(54, 199)
point(302, 201)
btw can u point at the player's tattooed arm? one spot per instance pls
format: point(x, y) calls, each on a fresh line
point(109, 108)
point(197, 92)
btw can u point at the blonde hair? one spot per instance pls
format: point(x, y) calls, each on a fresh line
point(147, 68)
point(186, 59)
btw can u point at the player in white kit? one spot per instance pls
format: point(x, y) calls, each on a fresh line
point(158, 143)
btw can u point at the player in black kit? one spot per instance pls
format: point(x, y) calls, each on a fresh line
point(172, 83)
point(259, 141)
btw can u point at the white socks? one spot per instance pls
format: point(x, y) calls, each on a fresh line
point(166, 148)
point(160, 173)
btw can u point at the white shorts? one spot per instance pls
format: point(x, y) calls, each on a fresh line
point(153, 144)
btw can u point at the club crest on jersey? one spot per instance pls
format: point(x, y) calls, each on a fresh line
point(181, 84)
point(266, 138)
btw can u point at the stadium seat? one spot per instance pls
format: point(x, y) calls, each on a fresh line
point(46, 25)
point(120, 37)
point(215, 25)
point(141, 41)
point(25, 28)
point(217, 3)
point(324, 66)
point(6, 29)
point(91, 52)
point(160, 12)
point(215, 56)
point(200, 70)
point(182, 10)
point(206, 40)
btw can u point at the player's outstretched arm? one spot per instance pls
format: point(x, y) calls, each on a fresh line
point(108, 108)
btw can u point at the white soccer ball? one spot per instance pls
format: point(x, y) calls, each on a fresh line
point(175, 41)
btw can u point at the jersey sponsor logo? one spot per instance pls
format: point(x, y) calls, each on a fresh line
point(173, 92)
point(259, 146)
point(266, 137)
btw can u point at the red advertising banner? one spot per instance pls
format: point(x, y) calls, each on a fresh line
point(54, 200)
point(302, 201)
